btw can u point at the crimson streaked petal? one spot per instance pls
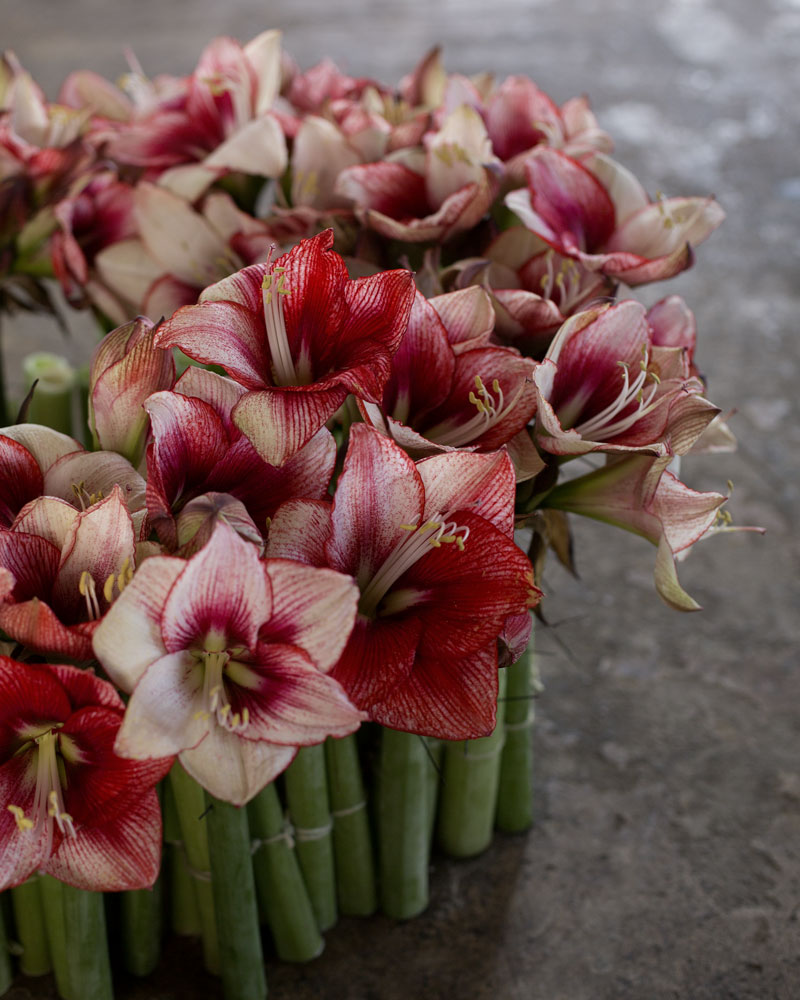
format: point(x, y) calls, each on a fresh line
point(223, 589)
point(446, 698)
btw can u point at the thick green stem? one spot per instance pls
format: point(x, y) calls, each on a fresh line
point(232, 881)
point(142, 928)
point(307, 797)
point(76, 929)
point(51, 404)
point(52, 896)
point(190, 805)
point(352, 840)
point(469, 789)
point(6, 968)
point(515, 796)
point(31, 931)
point(279, 882)
point(404, 848)
point(184, 917)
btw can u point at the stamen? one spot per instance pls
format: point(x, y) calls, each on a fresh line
point(491, 407)
point(432, 534)
point(215, 696)
point(88, 590)
point(23, 823)
point(607, 423)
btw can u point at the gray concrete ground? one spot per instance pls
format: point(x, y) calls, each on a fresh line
point(665, 861)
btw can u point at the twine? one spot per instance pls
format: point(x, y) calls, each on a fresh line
point(310, 833)
point(349, 810)
point(286, 833)
point(196, 873)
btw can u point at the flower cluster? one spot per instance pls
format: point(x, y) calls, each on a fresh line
point(313, 525)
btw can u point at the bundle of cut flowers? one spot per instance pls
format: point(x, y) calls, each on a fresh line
point(264, 612)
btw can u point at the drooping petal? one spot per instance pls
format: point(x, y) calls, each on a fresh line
point(233, 769)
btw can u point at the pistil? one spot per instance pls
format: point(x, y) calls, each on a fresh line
point(271, 292)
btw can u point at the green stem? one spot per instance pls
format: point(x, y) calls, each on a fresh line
point(185, 919)
point(142, 927)
point(279, 882)
point(234, 889)
point(403, 824)
point(6, 968)
point(76, 929)
point(52, 399)
point(190, 805)
point(515, 796)
point(88, 964)
point(307, 797)
point(31, 932)
point(469, 789)
point(352, 840)
point(52, 895)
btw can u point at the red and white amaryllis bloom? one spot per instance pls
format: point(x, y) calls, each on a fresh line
point(533, 289)
point(67, 566)
point(431, 193)
point(604, 386)
point(299, 335)
point(226, 658)
point(431, 548)
point(220, 120)
point(126, 368)
point(197, 449)
point(69, 806)
point(598, 213)
point(450, 388)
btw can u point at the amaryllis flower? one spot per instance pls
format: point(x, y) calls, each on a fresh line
point(126, 368)
point(300, 336)
point(604, 386)
point(221, 121)
point(533, 289)
point(177, 250)
point(598, 213)
point(431, 548)
point(197, 449)
point(26, 453)
point(69, 806)
point(67, 565)
point(450, 388)
point(429, 194)
point(37, 461)
point(96, 213)
point(226, 659)
point(638, 493)
point(519, 116)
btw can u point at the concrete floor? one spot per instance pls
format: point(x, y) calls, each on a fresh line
point(665, 862)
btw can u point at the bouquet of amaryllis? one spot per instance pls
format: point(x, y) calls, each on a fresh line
point(277, 594)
